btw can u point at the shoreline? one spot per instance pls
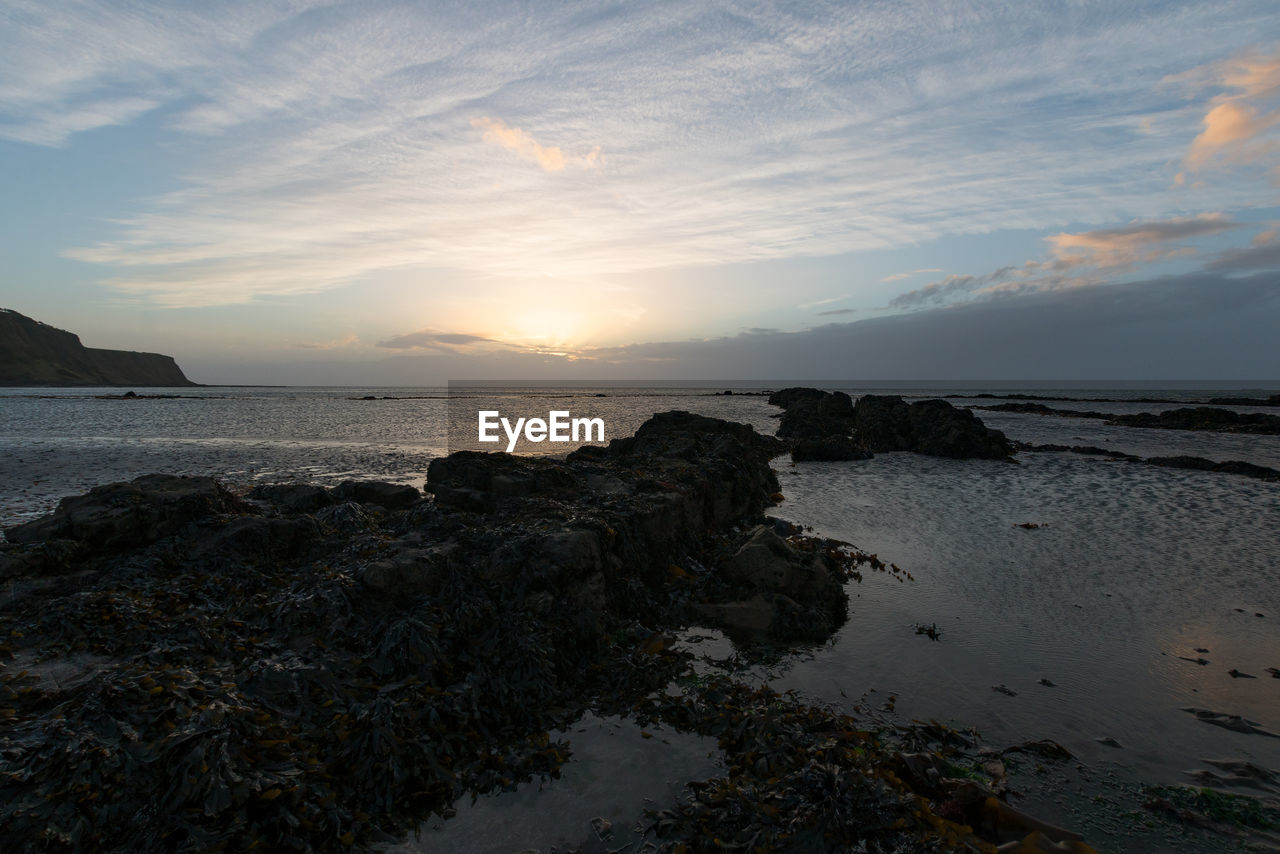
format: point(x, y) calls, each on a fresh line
point(619, 588)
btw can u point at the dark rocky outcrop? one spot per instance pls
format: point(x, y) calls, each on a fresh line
point(307, 671)
point(933, 427)
point(129, 515)
point(1041, 409)
point(1203, 418)
point(1271, 400)
point(817, 424)
point(817, 417)
point(260, 663)
point(36, 354)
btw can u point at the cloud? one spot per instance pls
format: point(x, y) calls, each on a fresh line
point(1263, 253)
point(1137, 241)
point(826, 301)
point(327, 143)
point(1168, 328)
point(551, 159)
point(896, 277)
point(948, 288)
point(1236, 124)
point(335, 344)
point(838, 311)
point(444, 342)
point(1077, 259)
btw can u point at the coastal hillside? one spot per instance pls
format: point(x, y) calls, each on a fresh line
point(36, 354)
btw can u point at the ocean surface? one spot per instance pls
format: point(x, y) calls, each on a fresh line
point(1133, 568)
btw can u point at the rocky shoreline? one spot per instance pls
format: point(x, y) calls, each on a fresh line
point(302, 668)
point(318, 669)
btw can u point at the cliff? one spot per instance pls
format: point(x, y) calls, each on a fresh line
point(36, 354)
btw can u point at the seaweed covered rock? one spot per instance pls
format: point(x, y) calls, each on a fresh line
point(290, 673)
point(125, 515)
point(781, 591)
point(933, 427)
point(768, 562)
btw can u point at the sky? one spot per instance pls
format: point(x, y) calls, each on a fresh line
point(407, 193)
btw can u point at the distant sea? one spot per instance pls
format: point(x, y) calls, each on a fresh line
point(1134, 568)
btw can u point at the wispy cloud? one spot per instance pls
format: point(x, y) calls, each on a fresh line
point(327, 143)
point(1076, 260)
point(443, 342)
point(1138, 241)
point(334, 344)
point(897, 277)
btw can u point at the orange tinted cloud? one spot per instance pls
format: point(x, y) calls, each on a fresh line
point(1138, 241)
point(1239, 117)
point(550, 158)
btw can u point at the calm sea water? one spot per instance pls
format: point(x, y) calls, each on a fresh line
point(1134, 569)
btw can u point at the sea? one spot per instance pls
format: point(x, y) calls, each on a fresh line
point(1137, 593)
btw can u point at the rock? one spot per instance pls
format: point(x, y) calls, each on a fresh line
point(768, 563)
point(1203, 418)
point(788, 396)
point(294, 497)
point(260, 538)
point(478, 481)
point(826, 449)
point(1273, 400)
point(754, 615)
point(409, 572)
point(933, 427)
point(52, 557)
point(810, 416)
point(297, 654)
point(125, 515)
point(346, 519)
point(393, 496)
